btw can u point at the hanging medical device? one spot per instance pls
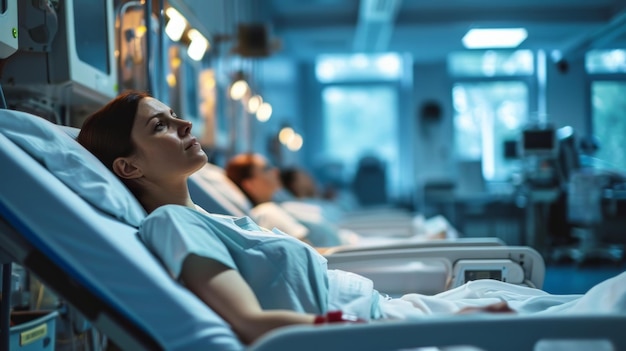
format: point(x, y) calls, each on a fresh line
point(65, 55)
point(8, 25)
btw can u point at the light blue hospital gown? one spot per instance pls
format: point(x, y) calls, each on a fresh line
point(283, 272)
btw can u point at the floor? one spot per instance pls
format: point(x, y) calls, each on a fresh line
point(569, 278)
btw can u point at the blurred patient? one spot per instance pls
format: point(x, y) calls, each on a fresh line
point(317, 221)
point(342, 209)
point(260, 182)
point(299, 185)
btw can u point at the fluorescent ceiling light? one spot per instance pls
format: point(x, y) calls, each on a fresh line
point(484, 38)
point(198, 45)
point(176, 25)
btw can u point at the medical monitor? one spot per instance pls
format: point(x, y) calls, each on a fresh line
point(538, 141)
point(8, 23)
point(66, 52)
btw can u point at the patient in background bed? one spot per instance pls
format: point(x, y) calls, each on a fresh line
point(319, 224)
point(260, 182)
point(298, 184)
point(256, 279)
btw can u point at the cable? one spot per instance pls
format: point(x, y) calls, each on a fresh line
point(3, 102)
point(5, 314)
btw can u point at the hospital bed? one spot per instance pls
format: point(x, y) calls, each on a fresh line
point(438, 268)
point(371, 229)
point(214, 191)
point(70, 222)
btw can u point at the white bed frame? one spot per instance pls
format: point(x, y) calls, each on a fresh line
point(487, 332)
point(430, 270)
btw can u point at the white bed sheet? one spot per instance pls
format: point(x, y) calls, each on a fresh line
point(606, 297)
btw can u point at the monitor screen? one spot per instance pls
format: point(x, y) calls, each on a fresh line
point(538, 140)
point(8, 34)
point(72, 66)
point(90, 29)
point(510, 149)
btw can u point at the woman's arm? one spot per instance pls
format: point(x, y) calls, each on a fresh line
point(224, 290)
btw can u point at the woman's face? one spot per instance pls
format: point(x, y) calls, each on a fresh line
point(165, 148)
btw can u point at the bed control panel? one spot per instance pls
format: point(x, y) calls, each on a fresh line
point(497, 269)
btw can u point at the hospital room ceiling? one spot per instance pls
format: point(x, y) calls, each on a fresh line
point(427, 29)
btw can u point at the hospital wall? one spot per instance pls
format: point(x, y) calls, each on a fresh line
point(434, 148)
point(567, 96)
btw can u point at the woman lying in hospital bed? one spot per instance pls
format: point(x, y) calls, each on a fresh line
point(259, 182)
point(256, 279)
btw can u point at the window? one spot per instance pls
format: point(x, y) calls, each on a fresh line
point(491, 102)
point(609, 121)
point(350, 114)
point(360, 104)
point(607, 69)
point(486, 116)
point(359, 67)
point(491, 63)
point(606, 61)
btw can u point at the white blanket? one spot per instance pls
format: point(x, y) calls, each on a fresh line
point(606, 297)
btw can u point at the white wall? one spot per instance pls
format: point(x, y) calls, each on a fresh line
point(434, 140)
point(567, 97)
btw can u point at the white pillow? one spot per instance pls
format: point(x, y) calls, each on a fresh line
point(214, 177)
point(71, 163)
